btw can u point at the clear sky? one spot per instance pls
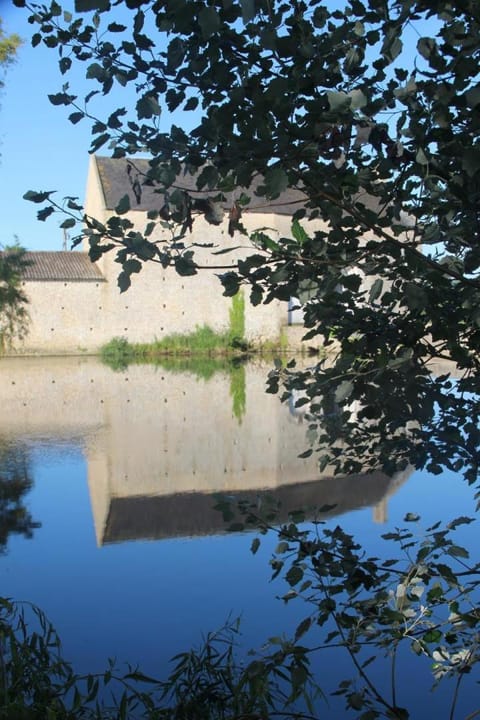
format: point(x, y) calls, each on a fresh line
point(39, 148)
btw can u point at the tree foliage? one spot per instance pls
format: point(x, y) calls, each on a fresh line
point(15, 481)
point(368, 108)
point(13, 301)
point(13, 314)
point(9, 45)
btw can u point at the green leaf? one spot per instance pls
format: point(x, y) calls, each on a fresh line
point(343, 391)
point(376, 290)
point(208, 177)
point(141, 677)
point(123, 206)
point(116, 27)
point(446, 573)
point(44, 213)
point(95, 71)
point(256, 295)
point(276, 181)
point(147, 107)
point(432, 636)
point(426, 46)
point(359, 29)
point(37, 197)
point(248, 10)
point(138, 22)
point(411, 517)
point(214, 213)
point(338, 100)
point(132, 265)
point(68, 223)
point(61, 99)
point(76, 117)
point(302, 628)
point(393, 47)
point(99, 141)
point(89, 5)
point(403, 357)
point(209, 21)
point(416, 296)
point(185, 266)
point(471, 161)
point(356, 701)
point(299, 233)
point(191, 104)
point(462, 520)
point(358, 99)
point(123, 281)
point(472, 97)
point(255, 545)
point(421, 158)
point(457, 551)
point(294, 575)
point(65, 64)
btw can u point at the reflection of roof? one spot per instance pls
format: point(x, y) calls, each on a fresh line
point(191, 514)
point(61, 265)
point(117, 182)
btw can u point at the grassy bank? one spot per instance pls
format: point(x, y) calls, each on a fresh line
point(202, 343)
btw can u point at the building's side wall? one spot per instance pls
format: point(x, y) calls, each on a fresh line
point(77, 317)
point(161, 302)
point(65, 317)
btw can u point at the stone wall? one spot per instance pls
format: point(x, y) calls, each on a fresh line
point(78, 317)
point(65, 318)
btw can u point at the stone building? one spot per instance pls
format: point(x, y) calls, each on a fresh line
point(75, 305)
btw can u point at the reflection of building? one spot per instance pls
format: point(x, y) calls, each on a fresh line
point(160, 445)
point(194, 513)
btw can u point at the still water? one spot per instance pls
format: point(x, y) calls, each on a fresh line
point(130, 560)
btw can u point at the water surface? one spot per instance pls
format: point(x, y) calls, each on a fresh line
point(131, 560)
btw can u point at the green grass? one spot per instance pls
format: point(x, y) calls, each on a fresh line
point(237, 318)
point(204, 341)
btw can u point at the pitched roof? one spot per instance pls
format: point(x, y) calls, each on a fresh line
point(193, 514)
point(117, 182)
point(61, 265)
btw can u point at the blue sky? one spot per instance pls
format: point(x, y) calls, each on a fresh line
point(39, 148)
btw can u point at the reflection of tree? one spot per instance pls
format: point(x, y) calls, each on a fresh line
point(409, 419)
point(15, 482)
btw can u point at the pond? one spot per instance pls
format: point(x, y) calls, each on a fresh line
point(130, 559)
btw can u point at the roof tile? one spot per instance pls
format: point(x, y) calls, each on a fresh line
point(117, 182)
point(61, 265)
